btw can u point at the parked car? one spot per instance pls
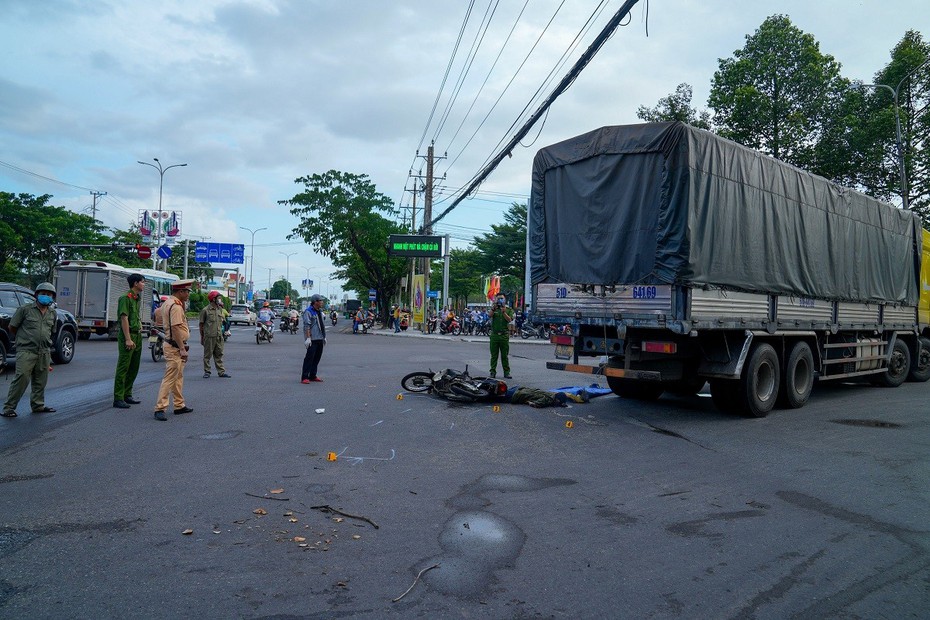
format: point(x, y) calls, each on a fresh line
point(12, 296)
point(278, 310)
point(241, 313)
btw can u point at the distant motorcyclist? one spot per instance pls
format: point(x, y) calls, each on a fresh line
point(265, 315)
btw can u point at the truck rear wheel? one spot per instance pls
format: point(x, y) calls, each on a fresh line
point(635, 390)
point(758, 387)
point(798, 380)
point(898, 366)
point(920, 368)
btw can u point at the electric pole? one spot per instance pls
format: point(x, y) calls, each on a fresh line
point(93, 211)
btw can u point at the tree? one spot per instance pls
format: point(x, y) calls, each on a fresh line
point(30, 228)
point(504, 249)
point(883, 178)
point(281, 289)
point(676, 107)
point(778, 93)
point(340, 217)
point(464, 275)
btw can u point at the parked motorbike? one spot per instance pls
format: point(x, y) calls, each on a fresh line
point(157, 344)
point(432, 325)
point(454, 328)
point(404, 324)
point(528, 330)
point(560, 330)
point(454, 385)
point(264, 332)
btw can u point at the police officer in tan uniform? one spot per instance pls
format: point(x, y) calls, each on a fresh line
point(174, 324)
point(32, 326)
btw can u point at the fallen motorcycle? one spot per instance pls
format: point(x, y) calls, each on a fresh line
point(454, 385)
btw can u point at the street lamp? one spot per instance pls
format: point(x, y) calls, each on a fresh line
point(161, 183)
point(897, 118)
point(252, 258)
point(287, 273)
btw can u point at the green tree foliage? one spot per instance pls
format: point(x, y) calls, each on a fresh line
point(341, 218)
point(882, 177)
point(676, 107)
point(464, 276)
point(778, 93)
point(281, 289)
point(504, 249)
point(29, 230)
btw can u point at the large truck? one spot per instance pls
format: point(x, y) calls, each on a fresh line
point(681, 258)
point(90, 290)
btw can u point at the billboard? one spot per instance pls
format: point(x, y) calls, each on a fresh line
point(417, 246)
point(169, 222)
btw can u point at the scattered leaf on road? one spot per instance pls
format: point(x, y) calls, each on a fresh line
point(260, 511)
point(299, 539)
point(276, 491)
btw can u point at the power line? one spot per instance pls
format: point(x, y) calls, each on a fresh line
point(563, 85)
point(40, 176)
point(466, 66)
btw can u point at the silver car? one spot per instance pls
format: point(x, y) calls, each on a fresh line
point(240, 313)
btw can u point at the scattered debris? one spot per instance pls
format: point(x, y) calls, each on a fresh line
point(415, 580)
point(330, 509)
point(260, 511)
point(187, 532)
point(277, 499)
point(276, 491)
point(321, 410)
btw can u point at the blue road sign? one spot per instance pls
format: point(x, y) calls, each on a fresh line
point(164, 252)
point(432, 294)
point(227, 253)
point(372, 294)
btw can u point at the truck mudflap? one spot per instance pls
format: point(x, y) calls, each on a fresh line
point(603, 370)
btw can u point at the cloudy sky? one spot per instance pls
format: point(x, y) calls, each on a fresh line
point(252, 94)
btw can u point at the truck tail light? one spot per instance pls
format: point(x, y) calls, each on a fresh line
point(660, 347)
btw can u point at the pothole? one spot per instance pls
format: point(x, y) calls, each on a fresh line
point(869, 423)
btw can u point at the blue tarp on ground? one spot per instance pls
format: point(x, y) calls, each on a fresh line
point(592, 390)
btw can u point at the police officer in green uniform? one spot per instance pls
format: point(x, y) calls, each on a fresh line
point(32, 326)
point(501, 316)
point(130, 342)
point(212, 325)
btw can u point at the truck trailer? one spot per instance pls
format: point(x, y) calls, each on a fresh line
point(681, 258)
point(90, 290)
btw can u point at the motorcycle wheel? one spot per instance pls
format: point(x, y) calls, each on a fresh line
point(525, 334)
point(417, 382)
point(471, 391)
point(157, 352)
point(258, 339)
point(456, 331)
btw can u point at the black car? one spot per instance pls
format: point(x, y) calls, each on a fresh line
point(12, 296)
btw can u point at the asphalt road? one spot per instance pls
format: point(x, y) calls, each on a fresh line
point(659, 510)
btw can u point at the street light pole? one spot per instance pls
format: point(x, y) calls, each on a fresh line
point(897, 120)
point(287, 272)
point(252, 258)
point(161, 183)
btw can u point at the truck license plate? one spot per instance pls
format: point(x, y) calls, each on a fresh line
point(564, 351)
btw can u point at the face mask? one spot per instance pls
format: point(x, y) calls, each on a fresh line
point(45, 300)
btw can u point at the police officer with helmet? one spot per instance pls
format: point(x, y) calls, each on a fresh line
point(32, 326)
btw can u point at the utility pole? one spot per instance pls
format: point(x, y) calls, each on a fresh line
point(93, 211)
point(428, 209)
point(186, 255)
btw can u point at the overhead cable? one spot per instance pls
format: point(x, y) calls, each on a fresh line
point(563, 85)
